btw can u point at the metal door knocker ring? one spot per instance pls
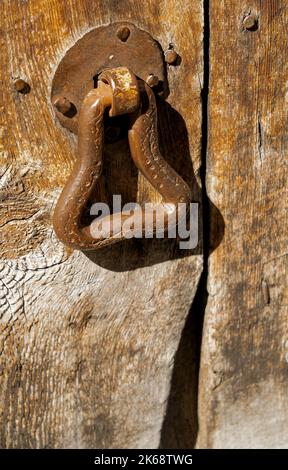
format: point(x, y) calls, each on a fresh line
point(120, 90)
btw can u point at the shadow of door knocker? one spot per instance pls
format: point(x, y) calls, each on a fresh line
point(124, 62)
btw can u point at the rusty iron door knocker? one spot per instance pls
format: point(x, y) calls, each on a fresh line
point(120, 90)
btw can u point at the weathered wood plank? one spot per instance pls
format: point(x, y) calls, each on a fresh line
point(86, 345)
point(243, 391)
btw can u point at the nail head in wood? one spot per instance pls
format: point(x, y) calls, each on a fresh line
point(152, 80)
point(21, 86)
point(171, 56)
point(62, 104)
point(251, 22)
point(123, 33)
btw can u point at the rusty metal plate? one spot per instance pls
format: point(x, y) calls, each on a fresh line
point(115, 45)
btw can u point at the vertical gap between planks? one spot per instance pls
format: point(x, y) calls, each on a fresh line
point(180, 426)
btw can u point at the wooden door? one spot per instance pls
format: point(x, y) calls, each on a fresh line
point(103, 350)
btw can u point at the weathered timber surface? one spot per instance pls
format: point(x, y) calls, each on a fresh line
point(87, 344)
point(243, 387)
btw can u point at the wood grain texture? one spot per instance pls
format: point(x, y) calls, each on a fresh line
point(243, 387)
point(87, 344)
